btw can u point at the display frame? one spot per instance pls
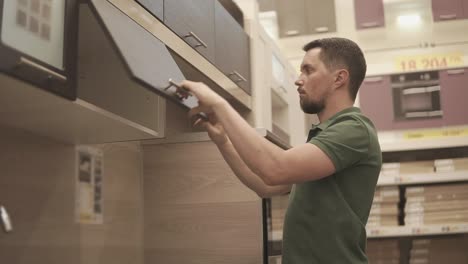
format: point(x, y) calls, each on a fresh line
point(39, 73)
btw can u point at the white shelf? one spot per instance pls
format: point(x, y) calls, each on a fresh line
point(435, 177)
point(411, 231)
point(404, 231)
point(435, 138)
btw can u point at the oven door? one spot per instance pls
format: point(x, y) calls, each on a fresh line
point(417, 102)
point(38, 41)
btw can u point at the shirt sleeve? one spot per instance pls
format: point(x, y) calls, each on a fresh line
point(345, 142)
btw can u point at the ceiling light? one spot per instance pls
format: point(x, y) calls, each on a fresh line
point(409, 20)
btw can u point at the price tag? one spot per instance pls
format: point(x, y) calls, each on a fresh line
point(398, 179)
point(445, 229)
point(374, 232)
point(428, 61)
point(416, 231)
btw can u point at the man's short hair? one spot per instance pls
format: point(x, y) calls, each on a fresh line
point(341, 52)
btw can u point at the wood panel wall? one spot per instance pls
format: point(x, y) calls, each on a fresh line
point(37, 188)
point(196, 210)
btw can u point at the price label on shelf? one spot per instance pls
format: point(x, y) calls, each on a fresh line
point(416, 231)
point(428, 61)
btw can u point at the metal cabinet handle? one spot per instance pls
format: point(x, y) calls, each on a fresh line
point(447, 17)
point(455, 72)
point(240, 78)
point(292, 32)
point(201, 43)
point(51, 74)
point(373, 79)
point(322, 29)
point(5, 219)
point(370, 24)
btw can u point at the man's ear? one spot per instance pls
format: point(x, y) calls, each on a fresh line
point(341, 78)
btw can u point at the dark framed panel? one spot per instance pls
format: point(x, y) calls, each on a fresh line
point(38, 43)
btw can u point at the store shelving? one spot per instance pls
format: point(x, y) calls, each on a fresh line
point(423, 178)
point(404, 231)
point(420, 230)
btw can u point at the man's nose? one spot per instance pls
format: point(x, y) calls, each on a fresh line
point(299, 82)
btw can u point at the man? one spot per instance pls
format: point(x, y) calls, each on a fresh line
point(333, 175)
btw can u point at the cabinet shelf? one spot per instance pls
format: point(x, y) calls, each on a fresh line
point(435, 177)
point(420, 230)
point(403, 231)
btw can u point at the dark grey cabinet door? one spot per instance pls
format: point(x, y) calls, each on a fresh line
point(375, 100)
point(291, 17)
point(155, 7)
point(454, 93)
point(232, 48)
point(447, 9)
point(320, 16)
point(369, 13)
point(193, 20)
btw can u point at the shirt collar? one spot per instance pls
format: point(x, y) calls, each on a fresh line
point(322, 126)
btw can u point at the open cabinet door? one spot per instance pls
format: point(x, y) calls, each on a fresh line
point(147, 58)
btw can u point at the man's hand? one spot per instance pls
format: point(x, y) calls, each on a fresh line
point(212, 126)
point(207, 98)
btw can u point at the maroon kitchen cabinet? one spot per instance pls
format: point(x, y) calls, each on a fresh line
point(454, 96)
point(465, 9)
point(369, 13)
point(375, 99)
point(447, 9)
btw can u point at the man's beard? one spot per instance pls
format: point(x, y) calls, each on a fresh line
point(310, 107)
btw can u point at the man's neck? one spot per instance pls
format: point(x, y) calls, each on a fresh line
point(332, 108)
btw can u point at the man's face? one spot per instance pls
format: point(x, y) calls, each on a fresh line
point(314, 83)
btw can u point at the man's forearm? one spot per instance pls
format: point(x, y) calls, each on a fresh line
point(246, 176)
point(262, 157)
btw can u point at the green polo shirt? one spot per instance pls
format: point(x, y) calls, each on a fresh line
point(325, 220)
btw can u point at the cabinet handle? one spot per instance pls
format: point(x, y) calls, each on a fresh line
point(5, 218)
point(322, 29)
point(373, 79)
point(240, 78)
point(201, 43)
point(292, 32)
point(370, 24)
point(447, 17)
point(455, 72)
point(51, 74)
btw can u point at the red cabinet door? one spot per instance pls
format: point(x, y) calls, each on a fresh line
point(369, 13)
point(447, 9)
point(375, 100)
point(454, 96)
point(465, 9)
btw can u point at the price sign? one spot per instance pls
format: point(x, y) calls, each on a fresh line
point(428, 61)
point(436, 133)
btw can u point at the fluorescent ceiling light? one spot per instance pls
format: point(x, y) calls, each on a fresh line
point(409, 20)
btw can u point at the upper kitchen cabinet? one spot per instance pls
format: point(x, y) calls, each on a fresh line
point(447, 9)
point(454, 92)
point(38, 44)
point(465, 9)
point(291, 19)
point(232, 55)
point(193, 21)
point(155, 7)
point(369, 13)
point(301, 17)
point(320, 16)
point(375, 100)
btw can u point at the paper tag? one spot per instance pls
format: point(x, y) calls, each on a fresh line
point(89, 181)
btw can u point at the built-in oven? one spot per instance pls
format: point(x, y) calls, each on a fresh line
point(38, 41)
point(416, 95)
